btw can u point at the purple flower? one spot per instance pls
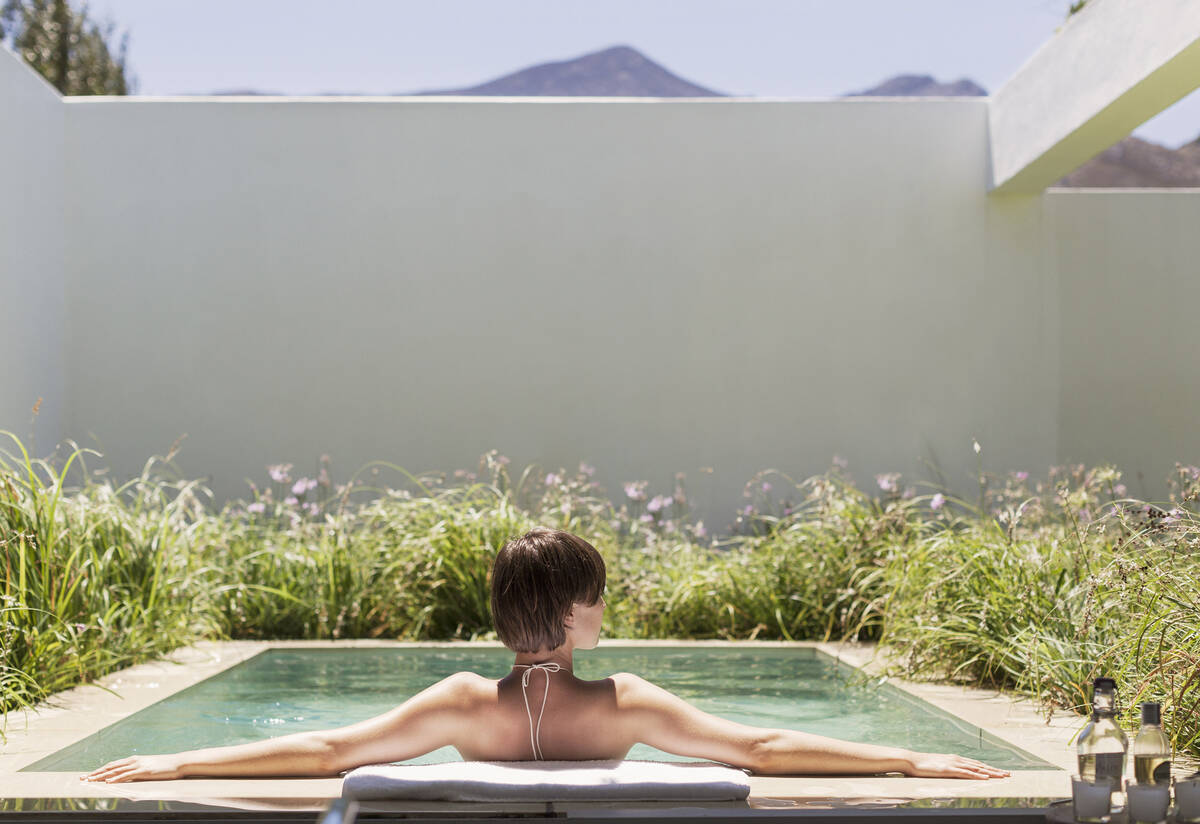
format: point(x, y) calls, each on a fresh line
point(257, 508)
point(552, 479)
point(587, 469)
point(636, 490)
point(279, 473)
point(291, 500)
point(886, 482)
point(840, 462)
point(766, 487)
point(700, 531)
point(1021, 476)
point(312, 508)
point(1119, 489)
point(747, 510)
point(658, 503)
point(937, 502)
point(646, 518)
point(303, 486)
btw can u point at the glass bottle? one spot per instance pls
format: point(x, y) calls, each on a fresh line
point(1102, 744)
point(1151, 749)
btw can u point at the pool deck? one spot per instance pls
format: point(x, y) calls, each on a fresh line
point(77, 713)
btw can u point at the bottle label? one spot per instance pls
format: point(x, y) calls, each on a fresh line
point(1111, 765)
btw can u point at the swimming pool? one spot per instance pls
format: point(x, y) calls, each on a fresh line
point(282, 691)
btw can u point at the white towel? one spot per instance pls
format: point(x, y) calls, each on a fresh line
point(547, 781)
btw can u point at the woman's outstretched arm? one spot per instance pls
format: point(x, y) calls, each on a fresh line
point(430, 719)
point(665, 721)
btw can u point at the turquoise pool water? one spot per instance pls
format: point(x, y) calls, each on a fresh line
point(291, 690)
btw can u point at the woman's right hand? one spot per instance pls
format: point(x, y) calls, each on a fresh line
point(137, 768)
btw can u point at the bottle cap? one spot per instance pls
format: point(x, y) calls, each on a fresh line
point(1151, 712)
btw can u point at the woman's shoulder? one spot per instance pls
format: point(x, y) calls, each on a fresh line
point(466, 680)
point(463, 688)
point(630, 685)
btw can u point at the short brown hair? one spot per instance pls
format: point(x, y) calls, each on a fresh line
point(535, 580)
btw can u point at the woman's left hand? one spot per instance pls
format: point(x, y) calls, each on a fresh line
point(938, 765)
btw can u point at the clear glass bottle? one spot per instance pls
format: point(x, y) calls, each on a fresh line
point(1151, 749)
point(1102, 745)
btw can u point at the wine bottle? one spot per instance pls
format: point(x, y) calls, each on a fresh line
point(1151, 749)
point(1102, 745)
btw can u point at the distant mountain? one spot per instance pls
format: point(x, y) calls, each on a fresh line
point(1138, 163)
point(921, 85)
point(619, 71)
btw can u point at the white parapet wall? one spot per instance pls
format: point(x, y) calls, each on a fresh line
point(32, 312)
point(648, 286)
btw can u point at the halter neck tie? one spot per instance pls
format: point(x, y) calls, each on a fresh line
point(535, 736)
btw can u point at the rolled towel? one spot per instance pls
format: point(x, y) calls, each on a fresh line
point(547, 781)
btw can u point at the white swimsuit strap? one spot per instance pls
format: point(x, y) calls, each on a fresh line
point(535, 737)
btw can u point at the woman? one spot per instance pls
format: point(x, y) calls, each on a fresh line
point(547, 602)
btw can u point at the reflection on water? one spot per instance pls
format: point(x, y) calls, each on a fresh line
point(293, 690)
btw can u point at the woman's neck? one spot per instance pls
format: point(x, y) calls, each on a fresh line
point(559, 655)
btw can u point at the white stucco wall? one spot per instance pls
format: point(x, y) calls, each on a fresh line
point(1130, 394)
point(31, 257)
point(648, 286)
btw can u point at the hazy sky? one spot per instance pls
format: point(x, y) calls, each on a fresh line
point(766, 48)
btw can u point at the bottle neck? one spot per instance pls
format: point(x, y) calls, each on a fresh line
point(1102, 706)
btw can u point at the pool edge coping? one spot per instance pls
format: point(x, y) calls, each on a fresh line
point(1046, 733)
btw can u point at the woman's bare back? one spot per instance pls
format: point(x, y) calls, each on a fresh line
point(580, 721)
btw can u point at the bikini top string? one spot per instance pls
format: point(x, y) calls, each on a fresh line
point(535, 737)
